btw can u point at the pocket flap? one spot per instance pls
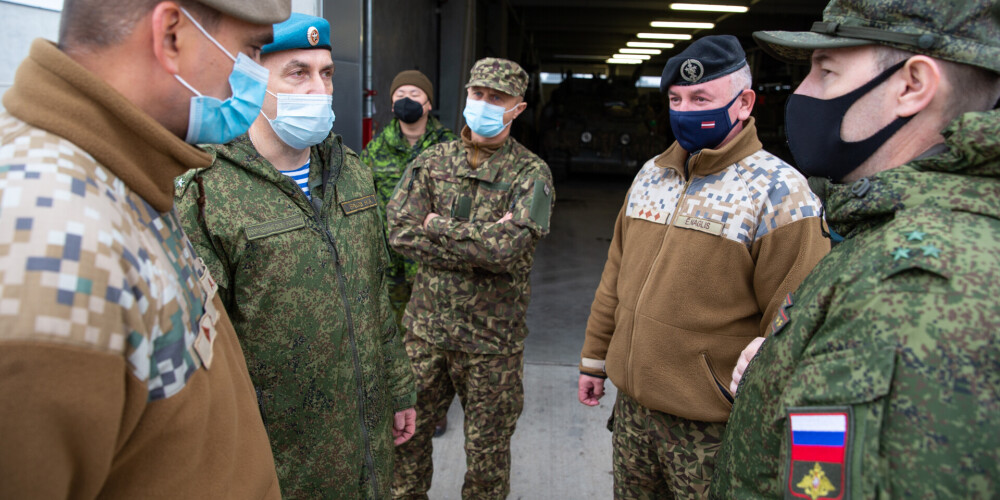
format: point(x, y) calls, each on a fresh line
point(841, 378)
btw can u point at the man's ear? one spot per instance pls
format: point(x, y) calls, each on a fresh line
point(921, 77)
point(166, 22)
point(747, 100)
point(518, 109)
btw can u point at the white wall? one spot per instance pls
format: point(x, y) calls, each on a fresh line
point(19, 25)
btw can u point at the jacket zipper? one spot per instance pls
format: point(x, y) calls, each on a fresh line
point(342, 286)
point(642, 290)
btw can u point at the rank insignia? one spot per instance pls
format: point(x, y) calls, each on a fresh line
point(819, 439)
point(782, 318)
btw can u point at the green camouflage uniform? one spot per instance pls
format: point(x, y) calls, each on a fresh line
point(304, 284)
point(466, 320)
point(387, 155)
point(896, 329)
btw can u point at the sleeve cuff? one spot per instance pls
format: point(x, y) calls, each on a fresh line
point(401, 403)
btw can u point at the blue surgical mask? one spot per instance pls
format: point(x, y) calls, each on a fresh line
point(303, 120)
point(485, 119)
point(697, 130)
point(211, 121)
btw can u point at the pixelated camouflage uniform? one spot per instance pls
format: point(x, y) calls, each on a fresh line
point(896, 327)
point(466, 319)
point(387, 155)
point(304, 284)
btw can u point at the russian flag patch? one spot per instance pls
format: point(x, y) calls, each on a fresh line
point(819, 452)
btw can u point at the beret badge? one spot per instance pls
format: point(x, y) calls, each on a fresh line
point(692, 70)
point(313, 35)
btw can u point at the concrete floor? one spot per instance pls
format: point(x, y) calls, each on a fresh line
point(561, 449)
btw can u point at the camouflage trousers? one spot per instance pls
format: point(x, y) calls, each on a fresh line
point(661, 456)
point(492, 395)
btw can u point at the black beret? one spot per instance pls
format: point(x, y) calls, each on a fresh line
point(704, 60)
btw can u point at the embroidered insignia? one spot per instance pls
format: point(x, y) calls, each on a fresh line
point(692, 70)
point(782, 318)
point(271, 228)
point(931, 251)
point(358, 204)
point(704, 225)
point(819, 440)
point(180, 182)
point(901, 253)
point(707, 125)
point(313, 35)
point(915, 236)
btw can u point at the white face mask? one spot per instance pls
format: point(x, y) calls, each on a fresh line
point(303, 120)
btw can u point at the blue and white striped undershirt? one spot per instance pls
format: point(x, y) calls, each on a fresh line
point(301, 177)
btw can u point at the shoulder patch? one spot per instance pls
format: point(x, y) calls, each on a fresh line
point(541, 204)
point(819, 439)
point(918, 240)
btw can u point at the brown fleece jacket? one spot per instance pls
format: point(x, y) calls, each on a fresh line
point(704, 252)
point(127, 382)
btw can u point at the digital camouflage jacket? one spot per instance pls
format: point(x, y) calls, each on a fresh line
point(882, 376)
point(471, 291)
point(304, 284)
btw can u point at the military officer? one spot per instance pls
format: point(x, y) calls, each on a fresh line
point(287, 220)
point(880, 375)
point(470, 212)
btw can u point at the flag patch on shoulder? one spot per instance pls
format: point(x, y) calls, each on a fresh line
point(820, 439)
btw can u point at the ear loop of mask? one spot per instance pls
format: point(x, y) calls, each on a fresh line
point(211, 39)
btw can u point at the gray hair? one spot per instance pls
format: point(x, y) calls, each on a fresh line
point(741, 80)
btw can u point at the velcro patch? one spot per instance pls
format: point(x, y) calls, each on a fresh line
point(541, 204)
point(273, 227)
point(782, 318)
point(704, 225)
point(818, 460)
point(358, 204)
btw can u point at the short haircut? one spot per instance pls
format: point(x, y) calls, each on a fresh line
point(104, 23)
point(741, 80)
point(974, 88)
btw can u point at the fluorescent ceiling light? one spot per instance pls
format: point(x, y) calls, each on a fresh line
point(682, 24)
point(651, 45)
point(623, 61)
point(654, 52)
point(664, 36)
point(709, 7)
point(631, 56)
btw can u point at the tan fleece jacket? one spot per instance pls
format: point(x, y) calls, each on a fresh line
point(704, 252)
point(120, 373)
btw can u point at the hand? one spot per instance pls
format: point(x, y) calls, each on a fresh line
point(429, 217)
point(591, 389)
point(403, 424)
point(741, 364)
point(506, 217)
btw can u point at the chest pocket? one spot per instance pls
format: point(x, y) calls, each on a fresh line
point(493, 200)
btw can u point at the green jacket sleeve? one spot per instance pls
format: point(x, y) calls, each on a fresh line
point(195, 226)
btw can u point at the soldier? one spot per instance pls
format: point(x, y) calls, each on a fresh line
point(286, 218)
point(411, 131)
point(712, 236)
point(881, 375)
point(121, 374)
point(470, 212)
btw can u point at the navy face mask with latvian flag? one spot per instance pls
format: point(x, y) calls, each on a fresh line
point(812, 127)
point(697, 130)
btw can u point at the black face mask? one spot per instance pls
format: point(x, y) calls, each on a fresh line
point(812, 127)
point(408, 110)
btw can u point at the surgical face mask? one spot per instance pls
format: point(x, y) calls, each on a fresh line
point(408, 110)
point(812, 127)
point(211, 121)
point(303, 120)
point(485, 119)
point(697, 130)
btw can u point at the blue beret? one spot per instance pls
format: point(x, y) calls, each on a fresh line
point(704, 60)
point(300, 31)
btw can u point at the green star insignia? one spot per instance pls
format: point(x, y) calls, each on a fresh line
point(915, 236)
point(931, 251)
point(901, 253)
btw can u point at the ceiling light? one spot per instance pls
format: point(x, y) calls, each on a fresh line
point(631, 56)
point(653, 52)
point(709, 7)
point(652, 45)
point(664, 36)
point(682, 24)
point(623, 61)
